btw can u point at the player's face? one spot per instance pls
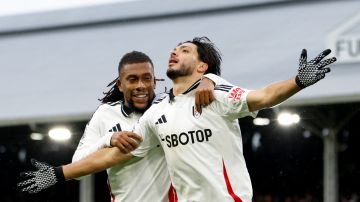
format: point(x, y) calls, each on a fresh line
point(183, 61)
point(137, 83)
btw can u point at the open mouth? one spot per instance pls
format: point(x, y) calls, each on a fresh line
point(140, 97)
point(173, 61)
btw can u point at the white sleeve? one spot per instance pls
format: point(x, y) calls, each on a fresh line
point(93, 138)
point(231, 101)
point(217, 79)
point(145, 130)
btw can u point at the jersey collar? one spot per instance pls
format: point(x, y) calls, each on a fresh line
point(192, 87)
point(126, 111)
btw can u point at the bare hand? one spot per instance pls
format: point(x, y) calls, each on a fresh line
point(204, 93)
point(126, 141)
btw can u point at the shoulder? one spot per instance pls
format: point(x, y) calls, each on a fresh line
point(105, 107)
point(160, 98)
point(230, 89)
point(230, 93)
point(159, 101)
point(223, 88)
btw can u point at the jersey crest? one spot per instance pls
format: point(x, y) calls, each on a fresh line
point(195, 113)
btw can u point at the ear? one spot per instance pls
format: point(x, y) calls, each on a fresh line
point(154, 83)
point(118, 83)
point(202, 67)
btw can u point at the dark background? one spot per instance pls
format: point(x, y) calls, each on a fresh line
point(287, 164)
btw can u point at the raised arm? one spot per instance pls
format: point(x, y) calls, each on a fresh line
point(272, 94)
point(309, 72)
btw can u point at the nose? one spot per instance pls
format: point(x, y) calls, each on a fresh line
point(140, 85)
point(173, 53)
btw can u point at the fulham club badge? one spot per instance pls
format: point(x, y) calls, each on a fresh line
point(196, 114)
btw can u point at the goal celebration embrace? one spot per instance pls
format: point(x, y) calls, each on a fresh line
point(183, 145)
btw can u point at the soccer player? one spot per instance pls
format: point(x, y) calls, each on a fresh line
point(203, 150)
point(122, 106)
point(139, 179)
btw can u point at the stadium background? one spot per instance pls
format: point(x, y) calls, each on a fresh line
point(55, 64)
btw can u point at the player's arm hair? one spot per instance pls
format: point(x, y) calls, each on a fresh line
point(97, 161)
point(272, 94)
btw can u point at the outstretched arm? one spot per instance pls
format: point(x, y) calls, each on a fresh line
point(47, 175)
point(309, 72)
point(272, 94)
point(97, 161)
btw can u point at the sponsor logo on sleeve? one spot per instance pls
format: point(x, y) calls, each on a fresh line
point(236, 93)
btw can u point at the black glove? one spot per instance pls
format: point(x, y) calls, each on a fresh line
point(44, 177)
point(314, 70)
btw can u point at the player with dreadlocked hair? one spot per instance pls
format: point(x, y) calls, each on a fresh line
point(204, 151)
point(114, 94)
point(132, 93)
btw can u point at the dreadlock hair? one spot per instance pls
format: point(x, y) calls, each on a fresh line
point(114, 94)
point(208, 53)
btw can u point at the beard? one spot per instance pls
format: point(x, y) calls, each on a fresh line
point(138, 110)
point(176, 73)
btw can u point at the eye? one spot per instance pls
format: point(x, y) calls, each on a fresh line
point(148, 78)
point(132, 79)
point(185, 51)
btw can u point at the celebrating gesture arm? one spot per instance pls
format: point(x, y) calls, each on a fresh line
point(46, 175)
point(314, 70)
point(309, 72)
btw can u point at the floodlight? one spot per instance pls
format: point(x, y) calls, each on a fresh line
point(261, 121)
point(60, 133)
point(36, 136)
point(287, 119)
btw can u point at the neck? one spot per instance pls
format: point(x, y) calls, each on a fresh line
point(181, 84)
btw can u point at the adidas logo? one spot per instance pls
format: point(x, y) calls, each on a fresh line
point(116, 128)
point(161, 120)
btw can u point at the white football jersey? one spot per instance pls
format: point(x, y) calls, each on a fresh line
point(204, 151)
point(137, 180)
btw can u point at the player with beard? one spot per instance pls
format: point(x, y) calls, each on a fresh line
point(131, 94)
point(203, 151)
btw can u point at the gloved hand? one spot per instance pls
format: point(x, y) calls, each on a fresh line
point(314, 70)
point(44, 177)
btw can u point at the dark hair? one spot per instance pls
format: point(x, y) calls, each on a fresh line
point(114, 95)
point(208, 53)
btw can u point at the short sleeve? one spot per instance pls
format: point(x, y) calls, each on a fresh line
point(231, 101)
point(217, 79)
